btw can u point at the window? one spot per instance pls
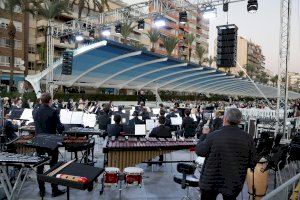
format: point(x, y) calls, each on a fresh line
point(4, 23)
point(31, 66)
point(32, 49)
point(5, 61)
point(4, 42)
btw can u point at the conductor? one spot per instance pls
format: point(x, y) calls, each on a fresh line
point(46, 121)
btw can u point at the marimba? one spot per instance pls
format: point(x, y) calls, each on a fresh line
point(123, 153)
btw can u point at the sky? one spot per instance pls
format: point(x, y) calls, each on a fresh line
point(261, 28)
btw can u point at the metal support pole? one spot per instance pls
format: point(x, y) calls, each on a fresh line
point(50, 52)
point(284, 55)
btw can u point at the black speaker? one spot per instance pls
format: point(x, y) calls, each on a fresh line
point(67, 63)
point(227, 45)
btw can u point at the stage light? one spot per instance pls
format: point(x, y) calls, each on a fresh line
point(225, 7)
point(106, 32)
point(79, 37)
point(252, 6)
point(92, 33)
point(183, 17)
point(141, 24)
point(118, 28)
point(159, 22)
point(210, 13)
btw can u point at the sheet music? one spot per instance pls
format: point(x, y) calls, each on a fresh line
point(155, 111)
point(194, 117)
point(140, 129)
point(150, 124)
point(176, 120)
point(131, 112)
point(77, 118)
point(27, 114)
point(140, 117)
point(124, 120)
point(65, 116)
point(124, 111)
point(112, 120)
point(115, 109)
point(89, 120)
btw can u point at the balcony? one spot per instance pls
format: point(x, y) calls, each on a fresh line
point(167, 33)
point(56, 43)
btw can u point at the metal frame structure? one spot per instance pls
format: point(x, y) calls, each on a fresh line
point(284, 56)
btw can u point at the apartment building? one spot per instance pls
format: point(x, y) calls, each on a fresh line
point(5, 45)
point(294, 80)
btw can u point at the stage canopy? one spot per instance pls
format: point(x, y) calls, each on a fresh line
point(108, 64)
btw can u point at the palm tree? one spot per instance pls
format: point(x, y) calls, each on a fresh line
point(200, 52)
point(274, 80)
point(189, 39)
point(11, 5)
point(241, 73)
point(98, 5)
point(170, 44)
point(126, 30)
point(210, 60)
point(250, 70)
point(153, 36)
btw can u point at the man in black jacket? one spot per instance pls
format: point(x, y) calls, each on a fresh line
point(161, 131)
point(135, 120)
point(115, 129)
point(47, 121)
point(10, 128)
point(104, 118)
point(228, 153)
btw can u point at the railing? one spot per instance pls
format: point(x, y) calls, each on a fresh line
point(283, 192)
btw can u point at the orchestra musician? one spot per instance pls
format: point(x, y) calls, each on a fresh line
point(47, 121)
point(228, 153)
point(10, 128)
point(117, 128)
point(135, 120)
point(161, 131)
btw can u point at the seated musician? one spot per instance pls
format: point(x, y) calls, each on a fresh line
point(171, 114)
point(135, 120)
point(104, 118)
point(188, 125)
point(161, 131)
point(46, 121)
point(145, 114)
point(10, 128)
point(168, 121)
point(217, 122)
point(117, 128)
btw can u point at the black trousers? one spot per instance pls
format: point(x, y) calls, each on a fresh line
point(212, 195)
point(53, 161)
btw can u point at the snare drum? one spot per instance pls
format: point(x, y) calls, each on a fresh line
point(111, 175)
point(133, 175)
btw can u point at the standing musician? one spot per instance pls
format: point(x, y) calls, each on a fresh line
point(46, 121)
point(228, 153)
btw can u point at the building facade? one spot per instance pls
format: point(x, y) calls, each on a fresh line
point(19, 21)
point(30, 42)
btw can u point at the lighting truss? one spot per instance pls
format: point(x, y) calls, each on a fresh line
point(145, 10)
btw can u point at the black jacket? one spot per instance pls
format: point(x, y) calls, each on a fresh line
point(114, 129)
point(135, 121)
point(161, 131)
point(217, 123)
point(187, 121)
point(141, 98)
point(171, 114)
point(103, 120)
point(10, 129)
point(46, 120)
point(229, 152)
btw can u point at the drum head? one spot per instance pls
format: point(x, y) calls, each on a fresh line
point(133, 170)
point(112, 169)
